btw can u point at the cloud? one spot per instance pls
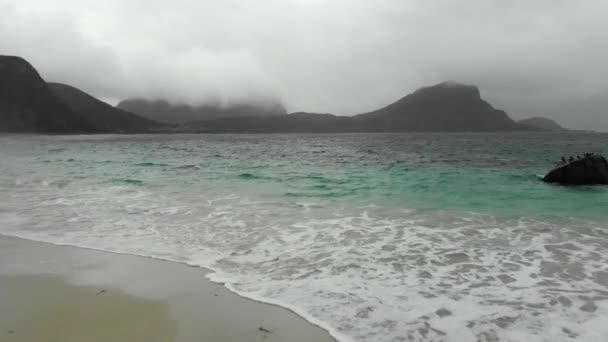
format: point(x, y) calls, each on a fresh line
point(58, 46)
point(52, 43)
point(340, 56)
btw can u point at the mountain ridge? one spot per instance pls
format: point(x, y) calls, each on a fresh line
point(542, 123)
point(27, 104)
point(103, 116)
point(164, 111)
point(447, 106)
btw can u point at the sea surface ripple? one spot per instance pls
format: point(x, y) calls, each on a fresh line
point(376, 237)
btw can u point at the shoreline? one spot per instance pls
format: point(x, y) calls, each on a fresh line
point(201, 308)
point(293, 133)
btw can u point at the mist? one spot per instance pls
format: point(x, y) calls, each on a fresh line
point(342, 57)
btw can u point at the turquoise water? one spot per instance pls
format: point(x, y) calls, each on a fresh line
point(489, 173)
point(367, 235)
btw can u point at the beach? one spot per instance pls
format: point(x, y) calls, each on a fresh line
point(371, 237)
point(62, 293)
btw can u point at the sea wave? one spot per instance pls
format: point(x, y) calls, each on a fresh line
point(389, 246)
point(364, 273)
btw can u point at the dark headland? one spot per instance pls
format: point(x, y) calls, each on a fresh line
point(101, 115)
point(29, 104)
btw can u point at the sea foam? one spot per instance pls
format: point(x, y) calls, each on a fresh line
point(363, 273)
point(442, 238)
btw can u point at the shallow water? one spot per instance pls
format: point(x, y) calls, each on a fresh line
point(378, 237)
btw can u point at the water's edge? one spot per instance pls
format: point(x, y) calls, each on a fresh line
point(213, 276)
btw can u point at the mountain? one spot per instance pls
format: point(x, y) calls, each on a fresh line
point(101, 115)
point(164, 111)
point(542, 124)
point(27, 104)
point(588, 113)
point(447, 107)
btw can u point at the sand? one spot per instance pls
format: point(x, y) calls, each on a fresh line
point(58, 293)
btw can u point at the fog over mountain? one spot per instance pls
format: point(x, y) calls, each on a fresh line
point(530, 58)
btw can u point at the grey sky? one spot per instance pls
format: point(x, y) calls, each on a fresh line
point(337, 56)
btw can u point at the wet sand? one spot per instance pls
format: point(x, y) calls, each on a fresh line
point(58, 293)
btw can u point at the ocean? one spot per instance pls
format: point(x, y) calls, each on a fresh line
point(375, 237)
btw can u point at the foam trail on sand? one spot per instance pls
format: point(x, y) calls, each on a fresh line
point(365, 274)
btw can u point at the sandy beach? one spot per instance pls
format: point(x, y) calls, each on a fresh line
point(57, 293)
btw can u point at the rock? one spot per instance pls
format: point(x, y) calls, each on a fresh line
point(590, 170)
point(589, 307)
point(264, 330)
point(443, 312)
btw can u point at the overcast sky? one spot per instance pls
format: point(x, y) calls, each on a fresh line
point(337, 56)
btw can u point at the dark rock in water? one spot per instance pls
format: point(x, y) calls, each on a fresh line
point(586, 171)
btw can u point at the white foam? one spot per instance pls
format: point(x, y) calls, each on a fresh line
point(364, 274)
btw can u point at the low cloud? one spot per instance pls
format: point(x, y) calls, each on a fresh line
point(339, 56)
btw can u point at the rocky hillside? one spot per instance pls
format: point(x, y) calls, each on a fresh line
point(27, 104)
point(101, 115)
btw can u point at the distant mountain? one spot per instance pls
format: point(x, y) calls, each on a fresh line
point(589, 113)
point(447, 107)
point(27, 104)
point(101, 115)
point(163, 111)
point(542, 124)
point(575, 112)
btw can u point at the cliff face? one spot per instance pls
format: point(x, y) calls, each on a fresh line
point(442, 107)
point(100, 114)
point(163, 111)
point(28, 105)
